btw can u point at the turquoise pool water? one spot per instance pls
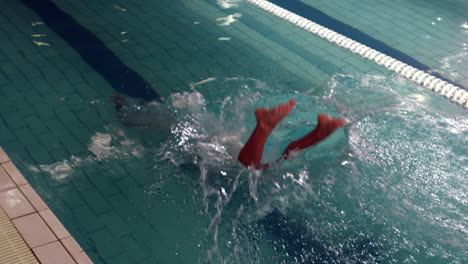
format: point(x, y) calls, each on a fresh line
point(158, 182)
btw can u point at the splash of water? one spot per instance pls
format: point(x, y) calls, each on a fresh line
point(209, 133)
point(226, 4)
point(113, 145)
point(371, 192)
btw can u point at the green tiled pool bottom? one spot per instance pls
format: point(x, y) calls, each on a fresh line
point(134, 195)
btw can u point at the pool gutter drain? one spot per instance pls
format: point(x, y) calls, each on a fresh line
point(452, 92)
point(13, 248)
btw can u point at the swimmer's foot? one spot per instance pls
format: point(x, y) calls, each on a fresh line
point(119, 101)
point(325, 127)
point(267, 119)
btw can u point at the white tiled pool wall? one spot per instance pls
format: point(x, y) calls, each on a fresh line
point(39, 227)
point(62, 124)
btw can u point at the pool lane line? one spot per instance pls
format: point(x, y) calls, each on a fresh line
point(93, 51)
point(321, 18)
point(439, 85)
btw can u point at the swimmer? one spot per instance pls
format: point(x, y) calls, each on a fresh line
point(267, 119)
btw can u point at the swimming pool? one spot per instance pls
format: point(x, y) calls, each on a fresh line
point(135, 186)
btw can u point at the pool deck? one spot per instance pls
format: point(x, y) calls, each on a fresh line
point(45, 235)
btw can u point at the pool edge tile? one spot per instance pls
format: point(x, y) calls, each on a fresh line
point(76, 251)
point(34, 216)
point(33, 197)
point(3, 156)
point(60, 254)
point(14, 173)
point(15, 204)
point(34, 230)
point(6, 182)
point(13, 247)
point(54, 224)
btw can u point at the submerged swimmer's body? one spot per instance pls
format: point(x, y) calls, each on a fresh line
point(267, 119)
point(251, 154)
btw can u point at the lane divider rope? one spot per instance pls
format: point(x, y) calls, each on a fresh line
point(452, 92)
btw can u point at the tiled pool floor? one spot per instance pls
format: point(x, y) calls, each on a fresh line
point(58, 106)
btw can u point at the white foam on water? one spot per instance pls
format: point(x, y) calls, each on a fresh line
point(364, 183)
point(62, 170)
point(193, 102)
point(114, 144)
point(453, 65)
point(210, 133)
point(100, 145)
point(226, 4)
point(228, 20)
point(464, 26)
point(58, 170)
point(104, 146)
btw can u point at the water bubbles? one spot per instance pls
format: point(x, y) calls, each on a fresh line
point(223, 191)
point(455, 64)
point(371, 185)
point(192, 102)
point(120, 8)
point(40, 43)
point(37, 23)
point(226, 4)
point(228, 20)
point(464, 25)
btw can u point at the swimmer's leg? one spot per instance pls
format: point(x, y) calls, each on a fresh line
point(119, 101)
point(267, 119)
point(325, 127)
